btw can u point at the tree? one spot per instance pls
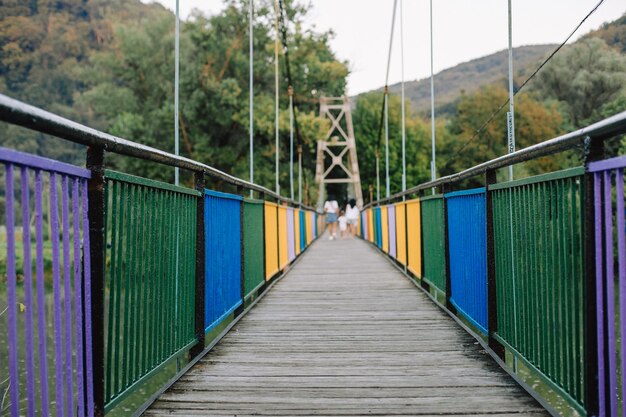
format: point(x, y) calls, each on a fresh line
point(584, 78)
point(534, 122)
point(366, 119)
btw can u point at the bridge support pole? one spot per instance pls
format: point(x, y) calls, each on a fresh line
point(95, 194)
point(492, 302)
point(446, 240)
point(594, 151)
point(239, 310)
point(199, 182)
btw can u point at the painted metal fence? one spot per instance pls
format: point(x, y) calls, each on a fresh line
point(539, 263)
point(433, 235)
point(271, 240)
point(223, 268)
point(400, 233)
point(467, 237)
point(610, 268)
point(150, 273)
point(47, 340)
point(291, 236)
point(391, 217)
point(303, 231)
point(253, 246)
point(283, 238)
point(414, 237)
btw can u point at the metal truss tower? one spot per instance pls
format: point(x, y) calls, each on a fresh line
point(337, 162)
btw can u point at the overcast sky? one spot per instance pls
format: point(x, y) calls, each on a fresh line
point(463, 30)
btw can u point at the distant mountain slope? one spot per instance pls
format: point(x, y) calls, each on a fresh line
point(613, 33)
point(491, 69)
point(470, 76)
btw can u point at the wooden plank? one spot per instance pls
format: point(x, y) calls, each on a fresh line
point(345, 334)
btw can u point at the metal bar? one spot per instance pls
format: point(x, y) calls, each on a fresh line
point(598, 131)
point(22, 114)
point(251, 89)
point(199, 303)
point(176, 89)
point(511, 116)
point(492, 300)
point(96, 250)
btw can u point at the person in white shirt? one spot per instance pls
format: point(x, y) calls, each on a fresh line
point(352, 217)
point(331, 208)
point(343, 225)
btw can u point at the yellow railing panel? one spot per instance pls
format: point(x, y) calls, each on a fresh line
point(271, 240)
point(370, 225)
point(414, 233)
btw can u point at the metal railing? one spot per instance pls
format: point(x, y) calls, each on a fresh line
point(537, 280)
point(139, 267)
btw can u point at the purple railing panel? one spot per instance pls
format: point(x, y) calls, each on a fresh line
point(59, 319)
point(291, 233)
point(391, 218)
point(610, 259)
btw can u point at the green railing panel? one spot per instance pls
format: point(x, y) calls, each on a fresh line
point(253, 260)
point(150, 232)
point(433, 233)
point(538, 239)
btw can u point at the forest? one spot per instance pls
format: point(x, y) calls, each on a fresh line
point(110, 65)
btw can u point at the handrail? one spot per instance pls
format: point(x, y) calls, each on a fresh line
point(600, 130)
point(19, 113)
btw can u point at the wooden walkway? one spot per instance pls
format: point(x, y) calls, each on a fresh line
point(346, 334)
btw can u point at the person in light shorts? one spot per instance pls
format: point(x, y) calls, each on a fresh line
point(352, 217)
point(331, 208)
point(343, 225)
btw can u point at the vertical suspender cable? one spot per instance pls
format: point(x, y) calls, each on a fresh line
point(433, 166)
point(511, 134)
point(290, 91)
point(300, 174)
point(176, 78)
point(393, 24)
point(176, 145)
point(377, 174)
point(387, 191)
point(511, 113)
point(276, 89)
point(251, 93)
point(402, 105)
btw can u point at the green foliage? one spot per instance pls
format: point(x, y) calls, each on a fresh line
point(584, 78)
point(366, 117)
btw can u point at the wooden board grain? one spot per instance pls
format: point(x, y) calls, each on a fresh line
point(345, 334)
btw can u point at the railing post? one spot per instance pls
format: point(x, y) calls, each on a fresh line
point(446, 240)
point(242, 307)
point(423, 283)
point(594, 150)
point(492, 302)
point(264, 287)
point(95, 194)
point(200, 295)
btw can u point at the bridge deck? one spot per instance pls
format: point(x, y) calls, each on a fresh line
point(345, 334)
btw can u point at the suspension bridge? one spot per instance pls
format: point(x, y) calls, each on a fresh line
point(506, 300)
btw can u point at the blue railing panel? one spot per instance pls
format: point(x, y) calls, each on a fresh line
point(467, 237)
point(222, 222)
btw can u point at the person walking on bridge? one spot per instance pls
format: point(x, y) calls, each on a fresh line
point(352, 215)
point(331, 208)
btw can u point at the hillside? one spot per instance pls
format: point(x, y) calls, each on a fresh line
point(613, 33)
point(491, 69)
point(470, 76)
